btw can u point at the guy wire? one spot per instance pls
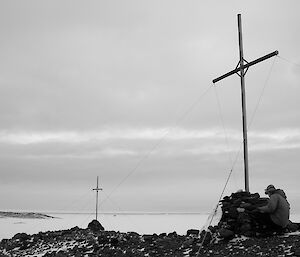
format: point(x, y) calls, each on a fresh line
point(158, 143)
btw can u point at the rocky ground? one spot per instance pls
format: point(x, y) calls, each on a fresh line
point(240, 232)
point(88, 242)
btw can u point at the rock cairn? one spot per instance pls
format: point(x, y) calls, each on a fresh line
point(241, 217)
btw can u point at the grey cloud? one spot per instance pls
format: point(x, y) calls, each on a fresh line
point(76, 78)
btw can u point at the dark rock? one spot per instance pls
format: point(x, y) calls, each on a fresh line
point(249, 233)
point(296, 250)
point(148, 238)
point(236, 202)
point(172, 235)
point(162, 235)
point(61, 253)
point(233, 213)
point(76, 229)
point(133, 234)
point(292, 227)
point(114, 241)
point(255, 196)
point(205, 237)
point(95, 226)
point(247, 206)
point(25, 246)
point(193, 232)
point(226, 233)
point(187, 243)
point(213, 229)
point(245, 228)
point(102, 240)
point(4, 242)
point(21, 237)
point(243, 218)
point(226, 199)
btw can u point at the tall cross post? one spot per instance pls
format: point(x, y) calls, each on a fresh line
point(97, 189)
point(241, 69)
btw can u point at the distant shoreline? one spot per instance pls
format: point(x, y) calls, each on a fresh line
point(24, 215)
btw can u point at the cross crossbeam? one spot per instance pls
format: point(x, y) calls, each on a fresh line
point(241, 70)
point(246, 66)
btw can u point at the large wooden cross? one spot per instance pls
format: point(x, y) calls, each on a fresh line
point(97, 189)
point(241, 69)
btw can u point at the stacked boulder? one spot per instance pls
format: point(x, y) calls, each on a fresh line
point(240, 215)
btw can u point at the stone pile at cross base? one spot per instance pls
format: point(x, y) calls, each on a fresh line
point(241, 217)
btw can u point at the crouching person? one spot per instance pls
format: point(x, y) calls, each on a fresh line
point(278, 210)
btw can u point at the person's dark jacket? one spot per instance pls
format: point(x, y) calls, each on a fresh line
point(278, 207)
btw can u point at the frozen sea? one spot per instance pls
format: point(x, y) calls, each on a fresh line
point(142, 223)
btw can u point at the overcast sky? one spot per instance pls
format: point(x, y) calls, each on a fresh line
point(123, 90)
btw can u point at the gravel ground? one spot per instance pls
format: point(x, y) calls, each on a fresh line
point(84, 242)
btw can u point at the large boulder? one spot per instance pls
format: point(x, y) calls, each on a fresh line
point(95, 226)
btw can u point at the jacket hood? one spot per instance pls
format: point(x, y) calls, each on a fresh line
point(280, 192)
